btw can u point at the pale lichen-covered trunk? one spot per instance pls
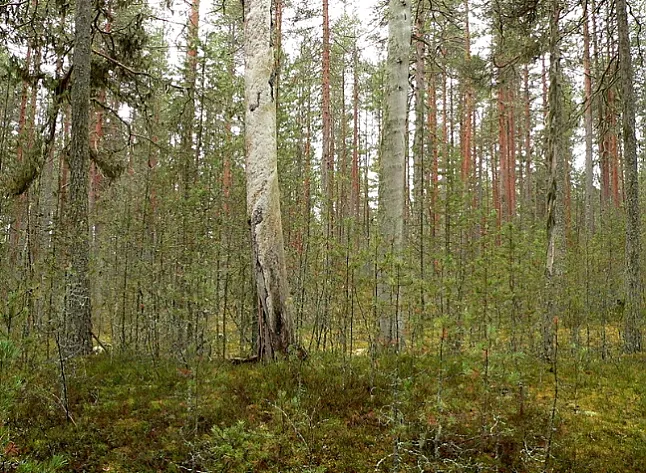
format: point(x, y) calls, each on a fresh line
point(632, 318)
point(555, 190)
point(263, 198)
point(391, 191)
point(77, 299)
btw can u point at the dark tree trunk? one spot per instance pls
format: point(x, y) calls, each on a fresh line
point(77, 302)
point(632, 318)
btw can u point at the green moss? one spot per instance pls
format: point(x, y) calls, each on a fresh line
point(333, 414)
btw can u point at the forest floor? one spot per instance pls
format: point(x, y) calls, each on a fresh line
point(463, 413)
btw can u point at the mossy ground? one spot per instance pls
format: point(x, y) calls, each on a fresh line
point(330, 414)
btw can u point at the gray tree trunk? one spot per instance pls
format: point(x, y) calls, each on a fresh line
point(632, 318)
point(555, 191)
point(419, 167)
point(275, 326)
point(78, 326)
point(392, 184)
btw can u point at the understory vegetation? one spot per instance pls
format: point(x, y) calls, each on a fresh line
point(322, 236)
point(413, 412)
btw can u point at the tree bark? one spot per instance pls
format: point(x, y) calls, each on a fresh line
point(555, 188)
point(78, 338)
point(419, 168)
point(465, 142)
point(355, 193)
point(327, 164)
point(527, 182)
point(434, 152)
point(587, 115)
point(275, 324)
point(503, 135)
point(391, 195)
point(632, 318)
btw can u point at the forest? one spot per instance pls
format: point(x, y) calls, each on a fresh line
point(322, 236)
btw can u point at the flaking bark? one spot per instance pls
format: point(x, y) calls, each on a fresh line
point(263, 197)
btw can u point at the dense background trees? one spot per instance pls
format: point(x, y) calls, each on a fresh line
point(464, 176)
point(487, 162)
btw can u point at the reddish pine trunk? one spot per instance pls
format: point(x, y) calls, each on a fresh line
point(613, 149)
point(604, 146)
point(189, 168)
point(527, 183)
point(193, 25)
point(495, 185)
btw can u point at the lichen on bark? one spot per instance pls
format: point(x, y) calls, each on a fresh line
point(263, 197)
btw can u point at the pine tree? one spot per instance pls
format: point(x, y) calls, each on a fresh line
point(78, 303)
point(632, 318)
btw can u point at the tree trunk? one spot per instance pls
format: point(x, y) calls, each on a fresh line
point(77, 301)
point(189, 159)
point(263, 195)
point(327, 167)
point(391, 192)
point(419, 168)
point(511, 153)
point(632, 317)
point(555, 188)
point(227, 179)
point(16, 234)
point(527, 182)
point(589, 176)
point(434, 152)
point(355, 196)
point(465, 142)
point(503, 135)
